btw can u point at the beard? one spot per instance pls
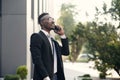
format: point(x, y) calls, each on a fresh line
point(49, 26)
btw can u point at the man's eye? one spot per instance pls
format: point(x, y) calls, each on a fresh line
point(51, 19)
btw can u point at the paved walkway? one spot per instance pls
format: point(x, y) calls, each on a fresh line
point(72, 70)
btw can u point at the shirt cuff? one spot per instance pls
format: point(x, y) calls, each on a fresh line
point(63, 36)
point(46, 78)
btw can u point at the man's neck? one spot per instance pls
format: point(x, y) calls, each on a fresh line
point(46, 30)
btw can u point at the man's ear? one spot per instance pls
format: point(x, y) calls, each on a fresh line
point(41, 23)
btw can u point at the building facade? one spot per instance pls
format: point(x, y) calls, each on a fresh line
point(18, 20)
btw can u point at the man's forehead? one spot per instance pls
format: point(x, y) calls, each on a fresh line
point(45, 16)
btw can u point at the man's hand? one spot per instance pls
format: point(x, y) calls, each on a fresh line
point(46, 78)
point(59, 32)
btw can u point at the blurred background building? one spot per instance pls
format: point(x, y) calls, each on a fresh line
point(18, 20)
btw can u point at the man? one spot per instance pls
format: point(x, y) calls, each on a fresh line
point(46, 52)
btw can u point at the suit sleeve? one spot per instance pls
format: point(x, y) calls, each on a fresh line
point(65, 46)
point(35, 48)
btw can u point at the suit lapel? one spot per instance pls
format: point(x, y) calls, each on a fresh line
point(44, 37)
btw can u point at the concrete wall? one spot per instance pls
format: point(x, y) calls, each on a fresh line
point(13, 35)
point(0, 45)
point(0, 32)
point(17, 23)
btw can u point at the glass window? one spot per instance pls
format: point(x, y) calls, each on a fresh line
point(32, 9)
point(42, 6)
point(0, 33)
point(0, 8)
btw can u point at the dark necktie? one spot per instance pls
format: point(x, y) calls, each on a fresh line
point(54, 55)
point(51, 40)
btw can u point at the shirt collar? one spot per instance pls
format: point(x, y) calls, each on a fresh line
point(45, 32)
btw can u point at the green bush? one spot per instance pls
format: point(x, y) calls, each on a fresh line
point(86, 77)
point(22, 71)
point(102, 75)
point(11, 77)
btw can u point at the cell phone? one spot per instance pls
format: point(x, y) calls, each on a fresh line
point(57, 28)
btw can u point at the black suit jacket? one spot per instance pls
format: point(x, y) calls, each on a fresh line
point(43, 59)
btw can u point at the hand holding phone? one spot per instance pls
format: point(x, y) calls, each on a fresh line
point(57, 28)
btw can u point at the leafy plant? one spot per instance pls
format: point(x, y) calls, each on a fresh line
point(22, 71)
point(84, 77)
point(11, 77)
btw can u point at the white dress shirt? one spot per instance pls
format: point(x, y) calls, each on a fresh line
point(53, 52)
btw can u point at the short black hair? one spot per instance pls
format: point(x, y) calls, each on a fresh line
point(40, 16)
